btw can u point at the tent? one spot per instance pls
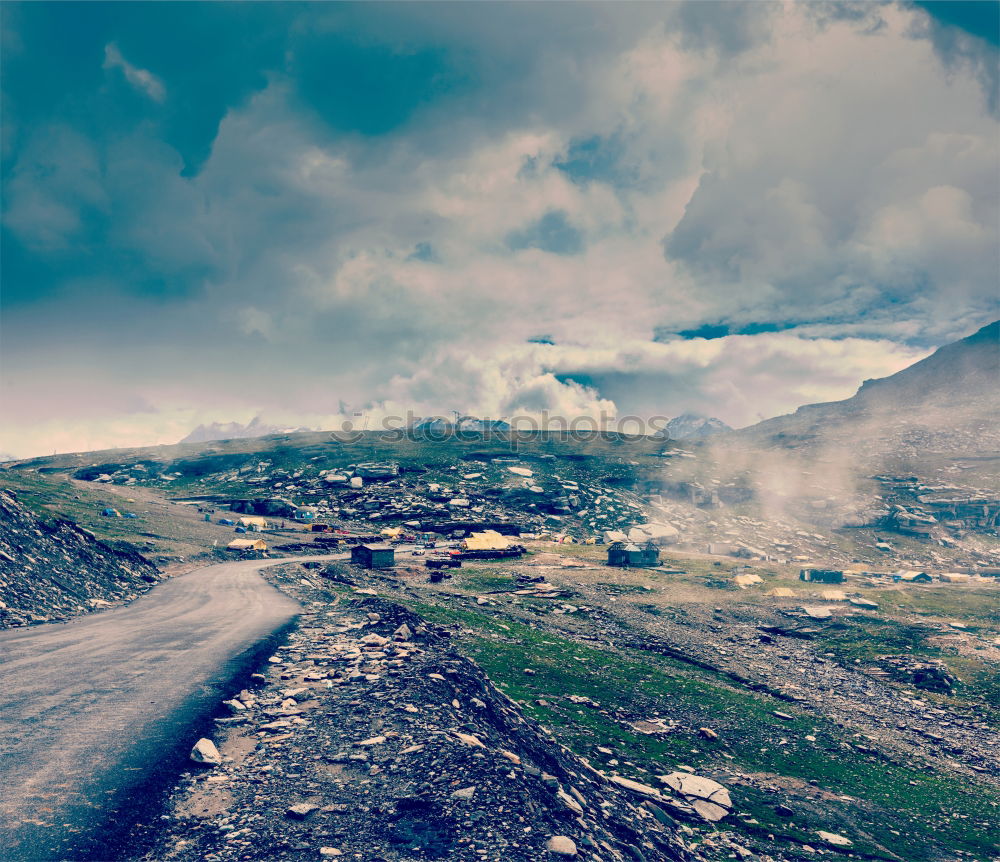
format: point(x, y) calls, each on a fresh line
point(487, 540)
point(747, 580)
point(247, 545)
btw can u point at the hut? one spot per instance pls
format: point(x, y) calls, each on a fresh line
point(626, 555)
point(374, 556)
point(912, 577)
point(822, 576)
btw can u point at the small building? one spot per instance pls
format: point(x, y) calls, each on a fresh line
point(626, 555)
point(822, 576)
point(247, 545)
point(374, 556)
point(955, 578)
point(912, 577)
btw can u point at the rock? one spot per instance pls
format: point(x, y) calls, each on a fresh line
point(301, 811)
point(469, 739)
point(709, 810)
point(403, 633)
point(707, 733)
point(569, 802)
point(329, 852)
point(636, 787)
point(864, 603)
point(709, 798)
point(834, 839)
point(206, 753)
point(464, 793)
point(560, 845)
point(783, 811)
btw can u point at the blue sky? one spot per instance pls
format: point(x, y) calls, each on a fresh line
point(214, 211)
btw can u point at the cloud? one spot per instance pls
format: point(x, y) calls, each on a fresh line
point(141, 79)
point(816, 190)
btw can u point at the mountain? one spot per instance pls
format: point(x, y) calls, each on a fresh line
point(936, 419)
point(953, 392)
point(54, 569)
point(693, 426)
point(236, 431)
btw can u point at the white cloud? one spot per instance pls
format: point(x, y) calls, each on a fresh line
point(141, 79)
point(806, 169)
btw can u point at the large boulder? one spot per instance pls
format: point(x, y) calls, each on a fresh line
point(205, 753)
point(709, 798)
point(661, 534)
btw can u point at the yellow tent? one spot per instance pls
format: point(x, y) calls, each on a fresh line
point(488, 540)
point(391, 532)
point(247, 545)
point(748, 580)
point(252, 521)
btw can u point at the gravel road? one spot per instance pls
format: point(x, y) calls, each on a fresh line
point(96, 714)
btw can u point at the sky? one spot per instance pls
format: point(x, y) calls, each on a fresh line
point(212, 212)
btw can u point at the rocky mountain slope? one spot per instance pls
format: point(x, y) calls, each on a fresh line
point(54, 569)
point(370, 733)
point(948, 402)
point(916, 453)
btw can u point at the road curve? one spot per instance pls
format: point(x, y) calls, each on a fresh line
point(95, 711)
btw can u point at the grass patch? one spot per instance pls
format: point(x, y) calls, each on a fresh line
point(917, 814)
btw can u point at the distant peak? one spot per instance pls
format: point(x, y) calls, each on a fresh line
point(694, 426)
point(256, 427)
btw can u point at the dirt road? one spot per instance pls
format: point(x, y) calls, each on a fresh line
point(97, 713)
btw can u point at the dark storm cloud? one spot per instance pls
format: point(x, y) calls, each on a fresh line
point(222, 209)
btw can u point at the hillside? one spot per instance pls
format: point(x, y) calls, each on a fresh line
point(946, 404)
point(54, 569)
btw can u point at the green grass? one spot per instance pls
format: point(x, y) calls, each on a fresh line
point(897, 807)
point(482, 579)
